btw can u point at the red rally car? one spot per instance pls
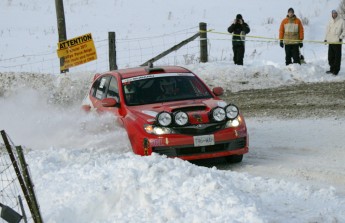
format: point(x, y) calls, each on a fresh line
point(170, 111)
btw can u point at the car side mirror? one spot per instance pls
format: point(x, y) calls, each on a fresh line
point(218, 91)
point(109, 102)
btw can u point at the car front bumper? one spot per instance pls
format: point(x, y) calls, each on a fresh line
point(230, 141)
point(236, 146)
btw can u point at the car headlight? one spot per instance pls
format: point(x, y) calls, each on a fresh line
point(157, 130)
point(161, 130)
point(181, 118)
point(218, 114)
point(232, 123)
point(164, 118)
point(231, 111)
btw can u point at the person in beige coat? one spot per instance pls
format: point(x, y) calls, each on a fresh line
point(335, 34)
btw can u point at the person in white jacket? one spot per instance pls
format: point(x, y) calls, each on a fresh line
point(335, 34)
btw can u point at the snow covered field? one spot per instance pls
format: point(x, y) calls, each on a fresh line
point(83, 167)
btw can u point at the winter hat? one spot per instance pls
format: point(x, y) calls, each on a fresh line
point(291, 10)
point(334, 11)
point(239, 16)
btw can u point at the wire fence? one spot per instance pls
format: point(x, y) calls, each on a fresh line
point(9, 185)
point(16, 204)
point(130, 52)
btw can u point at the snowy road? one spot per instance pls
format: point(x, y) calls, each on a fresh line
point(300, 151)
point(307, 151)
point(305, 141)
point(296, 134)
point(324, 99)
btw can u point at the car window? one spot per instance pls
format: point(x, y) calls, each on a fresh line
point(113, 90)
point(100, 86)
point(164, 88)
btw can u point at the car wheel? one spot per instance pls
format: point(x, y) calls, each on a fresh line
point(234, 158)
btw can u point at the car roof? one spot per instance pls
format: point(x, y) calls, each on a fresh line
point(140, 71)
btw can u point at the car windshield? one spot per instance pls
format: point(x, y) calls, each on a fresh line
point(158, 88)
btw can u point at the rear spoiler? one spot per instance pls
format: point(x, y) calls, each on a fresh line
point(153, 69)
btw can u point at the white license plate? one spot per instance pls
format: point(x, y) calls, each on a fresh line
point(204, 140)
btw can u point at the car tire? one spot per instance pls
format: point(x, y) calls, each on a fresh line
point(234, 158)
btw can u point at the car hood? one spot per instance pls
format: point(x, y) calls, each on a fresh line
point(197, 110)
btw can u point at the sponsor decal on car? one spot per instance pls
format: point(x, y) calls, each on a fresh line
point(154, 76)
point(198, 117)
point(150, 113)
point(157, 142)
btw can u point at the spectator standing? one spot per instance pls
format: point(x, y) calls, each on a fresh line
point(239, 29)
point(335, 33)
point(291, 34)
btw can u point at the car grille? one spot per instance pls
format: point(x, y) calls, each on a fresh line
point(192, 108)
point(191, 150)
point(200, 129)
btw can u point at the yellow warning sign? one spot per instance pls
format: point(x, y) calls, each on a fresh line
point(77, 51)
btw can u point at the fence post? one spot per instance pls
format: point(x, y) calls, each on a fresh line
point(29, 184)
point(112, 51)
point(203, 42)
point(61, 24)
point(174, 48)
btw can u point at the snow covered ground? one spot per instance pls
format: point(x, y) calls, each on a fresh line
point(84, 170)
point(83, 167)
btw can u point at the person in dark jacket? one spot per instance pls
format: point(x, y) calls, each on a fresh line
point(239, 29)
